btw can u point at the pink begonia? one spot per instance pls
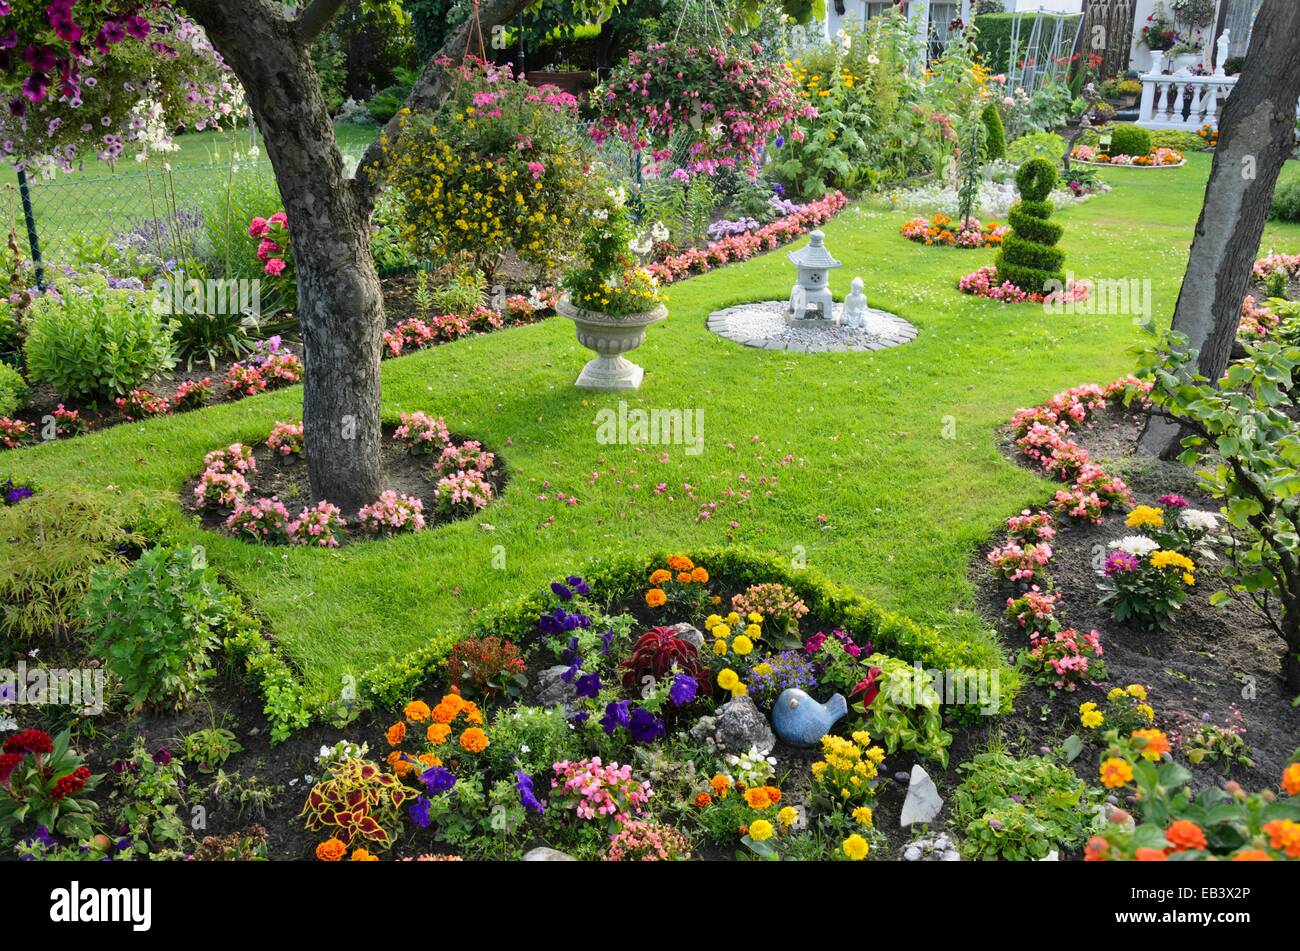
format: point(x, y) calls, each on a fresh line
point(280, 219)
point(285, 439)
point(593, 790)
point(1031, 527)
point(263, 519)
point(317, 526)
point(463, 489)
point(234, 458)
point(468, 455)
point(219, 488)
point(266, 248)
point(423, 433)
point(275, 267)
point(393, 513)
point(258, 227)
point(1065, 657)
point(1020, 563)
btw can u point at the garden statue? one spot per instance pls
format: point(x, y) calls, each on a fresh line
point(812, 286)
point(800, 720)
point(855, 306)
point(1224, 43)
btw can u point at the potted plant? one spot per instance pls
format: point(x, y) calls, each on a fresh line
point(1191, 17)
point(612, 299)
point(1159, 34)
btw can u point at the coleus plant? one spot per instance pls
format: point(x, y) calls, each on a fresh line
point(657, 652)
point(359, 800)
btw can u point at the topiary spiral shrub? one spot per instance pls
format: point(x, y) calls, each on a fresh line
point(995, 136)
point(1130, 140)
point(1029, 257)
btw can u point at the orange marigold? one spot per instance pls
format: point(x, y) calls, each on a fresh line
point(361, 855)
point(1150, 855)
point(1154, 743)
point(417, 711)
point(473, 740)
point(472, 713)
point(399, 765)
point(720, 785)
point(1115, 772)
point(1184, 835)
point(699, 575)
point(428, 760)
point(680, 563)
point(444, 713)
point(396, 733)
point(757, 798)
point(1096, 850)
point(659, 576)
point(655, 598)
point(684, 577)
point(1284, 834)
point(1291, 779)
point(438, 733)
point(1252, 855)
point(331, 850)
point(703, 799)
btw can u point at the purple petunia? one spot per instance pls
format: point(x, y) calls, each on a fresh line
point(588, 686)
point(645, 727)
point(527, 798)
point(561, 592)
point(420, 811)
point(616, 715)
point(683, 690)
point(437, 779)
point(162, 757)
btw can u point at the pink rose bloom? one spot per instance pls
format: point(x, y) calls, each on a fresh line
point(275, 266)
point(258, 227)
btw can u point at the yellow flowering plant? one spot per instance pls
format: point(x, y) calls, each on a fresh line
point(498, 168)
point(844, 783)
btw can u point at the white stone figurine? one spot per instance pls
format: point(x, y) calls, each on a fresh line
point(1223, 44)
point(854, 313)
point(812, 263)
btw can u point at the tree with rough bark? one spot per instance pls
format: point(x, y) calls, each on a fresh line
point(1256, 136)
point(340, 308)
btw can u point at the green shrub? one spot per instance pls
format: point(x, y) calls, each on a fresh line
point(1044, 145)
point(13, 390)
point(1127, 139)
point(1021, 809)
point(1177, 139)
point(156, 621)
point(51, 544)
point(995, 136)
point(1286, 201)
point(1028, 259)
point(286, 706)
point(97, 345)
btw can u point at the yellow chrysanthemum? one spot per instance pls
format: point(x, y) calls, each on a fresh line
point(728, 679)
point(856, 848)
point(1145, 515)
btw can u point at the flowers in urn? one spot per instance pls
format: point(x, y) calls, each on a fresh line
point(613, 281)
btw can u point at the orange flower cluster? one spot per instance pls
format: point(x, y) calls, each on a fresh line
point(473, 740)
point(1291, 780)
point(721, 785)
point(361, 855)
point(1284, 835)
point(331, 850)
point(680, 569)
point(1185, 835)
point(762, 797)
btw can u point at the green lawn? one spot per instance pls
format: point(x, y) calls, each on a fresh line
point(905, 507)
point(101, 198)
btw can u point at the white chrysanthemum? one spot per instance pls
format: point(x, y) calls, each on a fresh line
point(1199, 520)
point(1136, 545)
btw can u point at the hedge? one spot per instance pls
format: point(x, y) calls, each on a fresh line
point(393, 683)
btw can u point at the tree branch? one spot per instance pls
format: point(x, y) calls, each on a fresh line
point(427, 95)
point(312, 21)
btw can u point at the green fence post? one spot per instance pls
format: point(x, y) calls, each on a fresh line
point(33, 239)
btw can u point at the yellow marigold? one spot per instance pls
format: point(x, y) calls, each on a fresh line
point(1146, 711)
point(1136, 691)
point(720, 648)
point(763, 669)
point(331, 850)
point(787, 816)
point(1115, 694)
point(760, 830)
point(396, 733)
point(742, 645)
point(1166, 559)
point(733, 618)
point(1091, 719)
point(1291, 779)
point(473, 740)
point(438, 733)
point(680, 563)
point(361, 855)
point(699, 575)
point(417, 711)
point(753, 632)
point(754, 617)
point(720, 631)
point(398, 765)
point(659, 576)
point(728, 678)
point(1154, 743)
point(711, 622)
point(1145, 515)
point(863, 815)
point(1115, 773)
point(855, 847)
point(655, 598)
point(740, 690)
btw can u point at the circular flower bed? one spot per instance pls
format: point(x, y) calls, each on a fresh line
point(1156, 158)
point(943, 230)
point(985, 283)
point(433, 477)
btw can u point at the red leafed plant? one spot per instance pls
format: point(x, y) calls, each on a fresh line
point(358, 801)
point(488, 665)
point(655, 654)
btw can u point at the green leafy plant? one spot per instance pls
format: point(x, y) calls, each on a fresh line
point(98, 345)
point(1209, 742)
point(1286, 201)
point(151, 802)
point(209, 748)
point(1126, 139)
point(1029, 257)
point(13, 390)
point(907, 713)
point(1044, 145)
point(156, 621)
point(995, 136)
point(1021, 809)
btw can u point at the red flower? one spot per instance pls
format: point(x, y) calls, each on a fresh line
point(8, 763)
point(869, 687)
point(29, 741)
point(68, 785)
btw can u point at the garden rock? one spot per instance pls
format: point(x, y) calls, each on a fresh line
point(552, 689)
point(740, 725)
point(544, 854)
point(923, 801)
point(931, 848)
point(691, 635)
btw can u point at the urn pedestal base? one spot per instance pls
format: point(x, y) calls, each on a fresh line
point(610, 338)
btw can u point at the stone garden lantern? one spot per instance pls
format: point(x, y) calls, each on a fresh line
point(811, 291)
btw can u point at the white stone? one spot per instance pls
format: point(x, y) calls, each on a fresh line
point(544, 854)
point(923, 801)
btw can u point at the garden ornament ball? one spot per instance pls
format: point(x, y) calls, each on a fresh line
point(811, 291)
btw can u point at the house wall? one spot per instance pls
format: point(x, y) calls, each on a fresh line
point(1050, 6)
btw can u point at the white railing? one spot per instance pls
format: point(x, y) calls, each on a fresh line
point(1180, 100)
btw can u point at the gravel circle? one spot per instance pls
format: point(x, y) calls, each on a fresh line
point(762, 325)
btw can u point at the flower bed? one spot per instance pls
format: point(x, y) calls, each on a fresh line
point(1158, 158)
point(942, 230)
point(241, 488)
point(984, 283)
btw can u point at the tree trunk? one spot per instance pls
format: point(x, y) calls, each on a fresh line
point(340, 308)
point(1256, 136)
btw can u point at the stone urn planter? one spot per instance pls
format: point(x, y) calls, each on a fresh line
point(610, 337)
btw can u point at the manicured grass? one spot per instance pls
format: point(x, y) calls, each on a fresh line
point(904, 506)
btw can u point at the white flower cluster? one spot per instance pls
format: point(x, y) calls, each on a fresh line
point(752, 768)
point(1198, 520)
point(1136, 545)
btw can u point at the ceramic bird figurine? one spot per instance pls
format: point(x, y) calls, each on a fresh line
point(800, 720)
